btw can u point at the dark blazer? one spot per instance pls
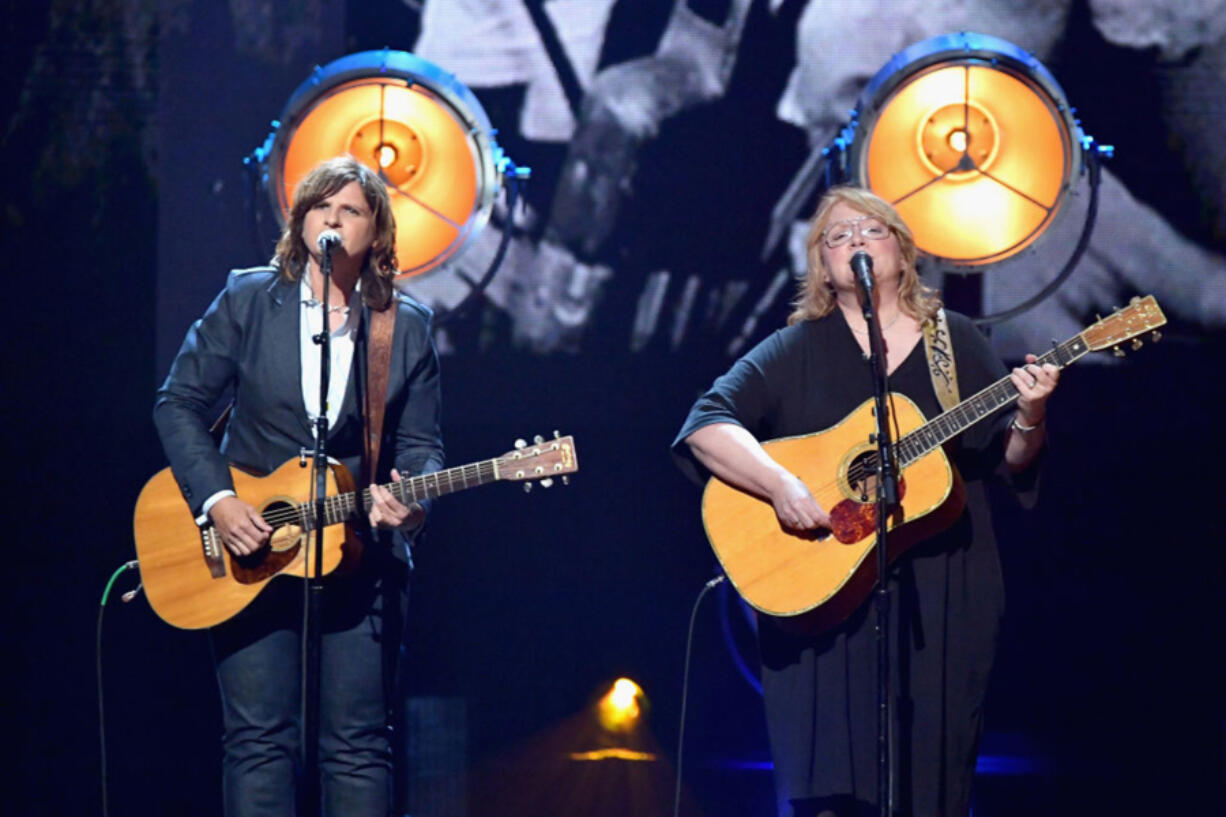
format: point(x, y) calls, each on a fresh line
point(248, 343)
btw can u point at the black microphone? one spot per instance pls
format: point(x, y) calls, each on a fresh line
point(329, 240)
point(862, 266)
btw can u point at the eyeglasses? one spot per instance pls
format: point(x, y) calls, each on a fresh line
point(869, 227)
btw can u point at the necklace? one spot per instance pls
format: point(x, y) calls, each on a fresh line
point(314, 303)
point(885, 328)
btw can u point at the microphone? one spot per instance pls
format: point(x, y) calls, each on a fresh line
point(329, 240)
point(862, 266)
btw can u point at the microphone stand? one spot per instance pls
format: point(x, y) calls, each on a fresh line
point(886, 501)
point(312, 630)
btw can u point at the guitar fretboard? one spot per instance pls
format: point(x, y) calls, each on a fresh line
point(342, 507)
point(950, 424)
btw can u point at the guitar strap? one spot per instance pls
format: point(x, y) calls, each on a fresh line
point(941, 366)
point(378, 363)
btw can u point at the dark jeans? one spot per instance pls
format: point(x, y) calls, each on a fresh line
point(258, 655)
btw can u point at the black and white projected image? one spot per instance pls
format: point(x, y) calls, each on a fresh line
point(613, 230)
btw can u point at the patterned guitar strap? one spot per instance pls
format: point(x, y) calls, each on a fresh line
point(941, 366)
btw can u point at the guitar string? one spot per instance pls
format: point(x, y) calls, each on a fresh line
point(863, 469)
point(1064, 355)
point(868, 466)
point(286, 514)
point(282, 514)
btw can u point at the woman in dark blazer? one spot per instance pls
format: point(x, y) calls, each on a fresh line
point(256, 343)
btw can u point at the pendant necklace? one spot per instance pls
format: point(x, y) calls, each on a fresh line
point(885, 328)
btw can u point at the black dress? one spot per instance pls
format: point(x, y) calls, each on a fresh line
point(820, 693)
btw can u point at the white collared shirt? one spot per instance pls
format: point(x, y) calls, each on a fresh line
point(342, 342)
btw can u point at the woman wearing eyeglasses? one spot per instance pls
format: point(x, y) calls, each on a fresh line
point(820, 690)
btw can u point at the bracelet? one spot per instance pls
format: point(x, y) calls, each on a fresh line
point(1024, 428)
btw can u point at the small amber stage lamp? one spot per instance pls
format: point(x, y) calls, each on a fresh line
point(423, 131)
point(972, 140)
point(620, 709)
point(621, 712)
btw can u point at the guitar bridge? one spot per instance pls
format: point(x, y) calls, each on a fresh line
point(214, 551)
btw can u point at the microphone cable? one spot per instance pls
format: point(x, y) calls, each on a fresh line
point(128, 596)
point(685, 685)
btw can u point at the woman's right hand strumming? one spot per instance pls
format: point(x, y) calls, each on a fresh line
point(733, 454)
point(795, 505)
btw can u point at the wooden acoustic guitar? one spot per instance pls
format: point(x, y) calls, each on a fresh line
point(193, 581)
point(814, 580)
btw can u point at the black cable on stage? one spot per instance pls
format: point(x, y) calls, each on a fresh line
point(685, 686)
point(128, 596)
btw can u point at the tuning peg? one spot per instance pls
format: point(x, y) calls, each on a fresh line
point(556, 434)
point(1117, 351)
point(538, 439)
point(1136, 299)
point(565, 480)
point(520, 443)
point(527, 487)
point(546, 482)
point(1136, 344)
point(1155, 336)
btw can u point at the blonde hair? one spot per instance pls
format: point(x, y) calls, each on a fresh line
point(815, 297)
point(325, 179)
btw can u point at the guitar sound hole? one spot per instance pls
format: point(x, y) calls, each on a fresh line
point(283, 546)
point(286, 534)
point(862, 476)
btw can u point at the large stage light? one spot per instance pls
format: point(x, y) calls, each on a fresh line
point(974, 143)
point(417, 125)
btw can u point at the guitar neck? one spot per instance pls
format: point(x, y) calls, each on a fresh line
point(412, 489)
point(541, 461)
point(953, 422)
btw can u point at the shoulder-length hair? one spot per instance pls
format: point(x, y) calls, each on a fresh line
point(815, 297)
point(380, 268)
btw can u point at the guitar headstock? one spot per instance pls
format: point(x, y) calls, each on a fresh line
point(1141, 316)
point(541, 460)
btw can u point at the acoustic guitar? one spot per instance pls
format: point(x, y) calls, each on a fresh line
point(813, 580)
point(193, 581)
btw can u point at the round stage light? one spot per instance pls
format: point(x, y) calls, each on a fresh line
point(422, 130)
point(972, 140)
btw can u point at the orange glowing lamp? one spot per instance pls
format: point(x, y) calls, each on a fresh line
point(972, 141)
point(423, 131)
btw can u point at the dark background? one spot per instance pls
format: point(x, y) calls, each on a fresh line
point(124, 128)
